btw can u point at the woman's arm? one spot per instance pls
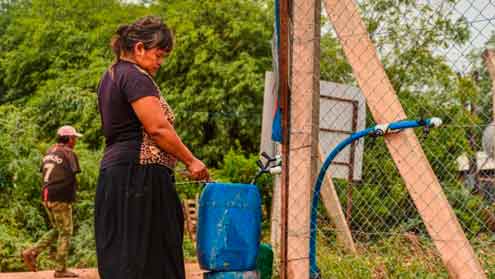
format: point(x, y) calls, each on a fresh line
point(151, 115)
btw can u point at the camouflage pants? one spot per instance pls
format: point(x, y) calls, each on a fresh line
point(60, 216)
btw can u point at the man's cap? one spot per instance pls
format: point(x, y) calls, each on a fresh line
point(68, 131)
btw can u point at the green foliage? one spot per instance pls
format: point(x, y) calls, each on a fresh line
point(19, 156)
point(59, 39)
point(467, 208)
point(60, 104)
point(214, 77)
point(83, 247)
point(393, 257)
point(189, 250)
point(11, 240)
point(237, 168)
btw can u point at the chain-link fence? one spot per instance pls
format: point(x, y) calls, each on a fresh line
point(399, 211)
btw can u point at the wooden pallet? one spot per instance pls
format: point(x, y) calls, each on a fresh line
point(191, 207)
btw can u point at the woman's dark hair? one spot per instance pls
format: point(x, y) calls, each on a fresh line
point(63, 139)
point(150, 30)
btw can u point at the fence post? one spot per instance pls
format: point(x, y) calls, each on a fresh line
point(331, 201)
point(304, 121)
point(421, 182)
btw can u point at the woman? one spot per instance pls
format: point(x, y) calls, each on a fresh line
point(138, 215)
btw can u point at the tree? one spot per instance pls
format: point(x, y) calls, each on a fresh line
point(46, 40)
point(214, 77)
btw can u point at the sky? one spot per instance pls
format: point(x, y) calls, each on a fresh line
point(480, 14)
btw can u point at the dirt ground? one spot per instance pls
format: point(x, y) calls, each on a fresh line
point(192, 272)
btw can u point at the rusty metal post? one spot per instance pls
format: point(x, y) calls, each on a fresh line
point(283, 75)
point(350, 176)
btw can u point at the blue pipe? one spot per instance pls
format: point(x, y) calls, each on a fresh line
point(377, 130)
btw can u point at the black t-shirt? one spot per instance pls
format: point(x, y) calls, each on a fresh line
point(59, 168)
point(121, 85)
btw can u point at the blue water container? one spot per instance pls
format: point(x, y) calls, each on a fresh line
point(232, 275)
point(229, 224)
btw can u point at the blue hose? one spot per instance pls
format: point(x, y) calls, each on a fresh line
point(377, 130)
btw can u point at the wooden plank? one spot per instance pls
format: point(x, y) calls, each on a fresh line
point(421, 182)
point(304, 129)
point(190, 207)
point(489, 58)
point(334, 209)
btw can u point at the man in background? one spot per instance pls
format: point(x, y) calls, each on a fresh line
point(59, 168)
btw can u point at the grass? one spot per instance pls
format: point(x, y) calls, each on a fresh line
point(399, 256)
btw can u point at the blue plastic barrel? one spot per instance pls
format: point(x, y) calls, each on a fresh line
point(229, 224)
point(232, 275)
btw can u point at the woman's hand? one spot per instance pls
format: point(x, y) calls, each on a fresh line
point(198, 170)
point(150, 113)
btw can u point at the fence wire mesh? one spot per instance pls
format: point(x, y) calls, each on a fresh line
point(437, 56)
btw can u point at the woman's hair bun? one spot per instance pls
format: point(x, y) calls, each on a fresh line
point(149, 30)
point(122, 30)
